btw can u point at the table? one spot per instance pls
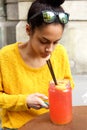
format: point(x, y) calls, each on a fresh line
point(42, 122)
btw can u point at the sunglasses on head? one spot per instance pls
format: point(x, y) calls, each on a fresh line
point(51, 16)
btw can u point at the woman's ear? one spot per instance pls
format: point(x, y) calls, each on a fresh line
point(28, 29)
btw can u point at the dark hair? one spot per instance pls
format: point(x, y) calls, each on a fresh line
point(40, 5)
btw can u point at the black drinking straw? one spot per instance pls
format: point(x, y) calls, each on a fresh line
point(51, 71)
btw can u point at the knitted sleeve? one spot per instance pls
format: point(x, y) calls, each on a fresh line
point(67, 74)
point(15, 102)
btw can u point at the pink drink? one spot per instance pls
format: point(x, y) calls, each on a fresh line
point(60, 102)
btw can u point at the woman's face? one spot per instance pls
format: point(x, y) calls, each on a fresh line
point(43, 40)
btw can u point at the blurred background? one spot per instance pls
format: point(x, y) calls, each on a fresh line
point(13, 15)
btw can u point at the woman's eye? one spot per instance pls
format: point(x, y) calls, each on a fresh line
point(56, 42)
point(43, 42)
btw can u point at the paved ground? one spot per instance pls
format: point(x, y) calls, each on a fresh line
point(79, 94)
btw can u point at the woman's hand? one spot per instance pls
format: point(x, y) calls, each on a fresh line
point(36, 101)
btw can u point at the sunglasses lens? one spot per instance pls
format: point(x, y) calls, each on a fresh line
point(64, 18)
point(51, 16)
point(48, 16)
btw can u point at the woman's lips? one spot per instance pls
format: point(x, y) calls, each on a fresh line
point(46, 54)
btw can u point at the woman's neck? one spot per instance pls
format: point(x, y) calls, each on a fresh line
point(29, 57)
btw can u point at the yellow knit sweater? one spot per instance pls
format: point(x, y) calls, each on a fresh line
point(17, 80)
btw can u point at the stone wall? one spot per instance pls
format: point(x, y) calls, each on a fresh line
point(8, 21)
point(74, 37)
point(75, 34)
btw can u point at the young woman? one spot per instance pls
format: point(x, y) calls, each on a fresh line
point(24, 74)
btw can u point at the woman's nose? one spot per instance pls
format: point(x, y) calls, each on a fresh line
point(50, 48)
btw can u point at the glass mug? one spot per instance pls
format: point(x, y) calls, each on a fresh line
point(60, 102)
